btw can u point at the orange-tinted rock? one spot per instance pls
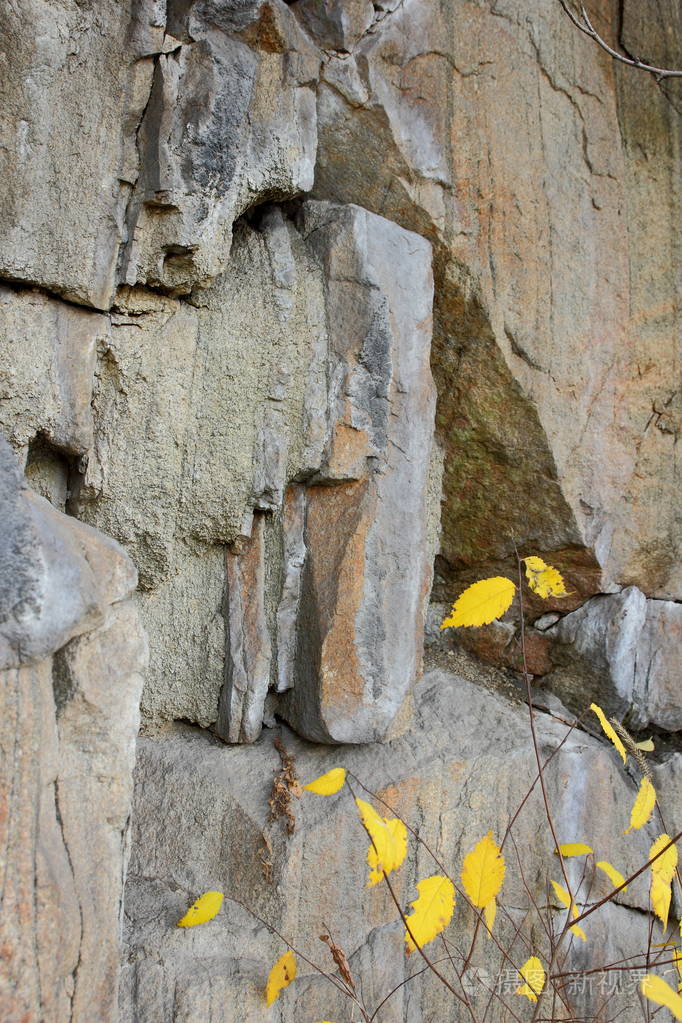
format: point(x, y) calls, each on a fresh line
point(247, 668)
point(367, 558)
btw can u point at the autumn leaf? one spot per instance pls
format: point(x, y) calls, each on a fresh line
point(280, 976)
point(569, 849)
point(388, 846)
point(489, 914)
point(483, 871)
point(204, 909)
point(432, 911)
point(543, 579)
point(615, 876)
point(533, 974)
point(656, 990)
point(609, 731)
point(339, 957)
point(662, 873)
point(328, 784)
point(481, 603)
point(565, 899)
point(643, 806)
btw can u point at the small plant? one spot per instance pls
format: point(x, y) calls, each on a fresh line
point(542, 978)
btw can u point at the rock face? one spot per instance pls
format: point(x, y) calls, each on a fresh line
point(635, 645)
point(541, 320)
point(339, 358)
point(450, 784)
point(72, 656)
point(295, 295)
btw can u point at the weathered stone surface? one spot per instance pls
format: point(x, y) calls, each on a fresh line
point(59, 574)
point(74, 88)
point(73, 654)
point(447, 782)
point(248, 653)
point(625, 651)
point(243, 375)
point(48, 353)
point(536, 308)
point(231, 121)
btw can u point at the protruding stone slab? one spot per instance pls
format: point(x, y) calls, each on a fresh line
point(74, 88)
point(232, 115)
point(348, 607)
point(59, 575)
point(367, 562)
point(247, 658)
point(631, 648)
point(47, 370)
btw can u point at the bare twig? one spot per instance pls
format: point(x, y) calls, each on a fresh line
point(318, 969)
point(460, 892)
point(626, 882)
point(583, 24)
point(430, 964)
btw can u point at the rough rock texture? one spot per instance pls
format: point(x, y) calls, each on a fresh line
point(441, 776)
point(307, 360)
point(72, 658)
point(522, 152)
point(233, 233)
point(366, 571)
point(635, 645)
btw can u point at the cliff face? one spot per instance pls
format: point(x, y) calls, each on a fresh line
point(295, 298)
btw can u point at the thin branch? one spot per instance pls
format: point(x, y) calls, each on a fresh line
point(328, 976)
point(420, 950)
point(533, 733)
point(460, 892)
point(626, 882)
point(528, 794)
point(584, 25)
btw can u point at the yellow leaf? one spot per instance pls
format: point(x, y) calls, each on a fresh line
point(615, 876)
point(388, 847)
point(569, 849)
point(483, 871)
point(481, 603)
point(656, 990)
point(432, 911)
point(647, 745)
point(643, 806)
point(608, 730)
point(328, 784)
point(203, 910)
point(489, 914)
point(565, 899)
point(666, 863)
point(280, 976)
point(662, 873)
point(543, 579)
point(533, 974)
